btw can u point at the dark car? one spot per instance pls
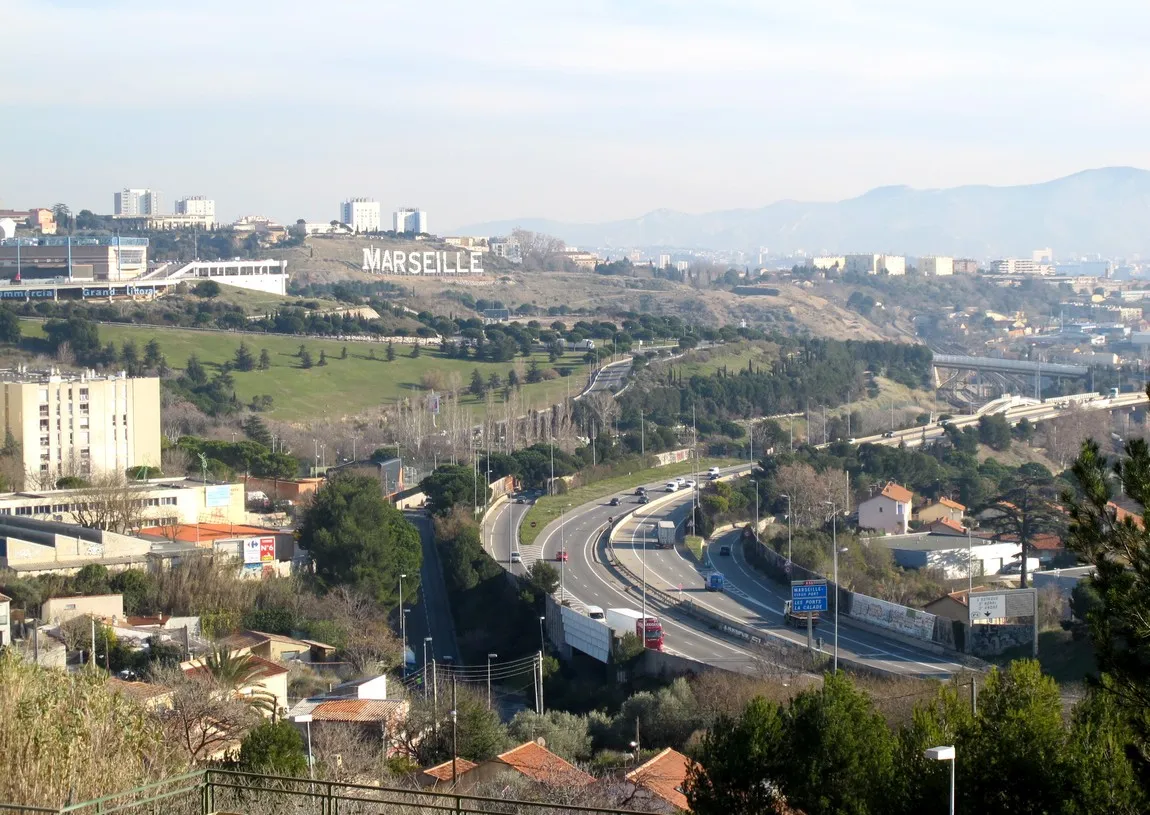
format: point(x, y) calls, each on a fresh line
point(725, 549)
point(641, 491)
point(614, 502)
point(643, 499)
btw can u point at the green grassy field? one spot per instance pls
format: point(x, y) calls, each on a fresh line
point(550, 507)
point(343, 387)
point(733, 356)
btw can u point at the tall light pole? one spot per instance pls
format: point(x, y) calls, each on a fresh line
point(305, 718)
point(403, 625)
point(643, 581)
point(489, 658)
point(835, 556)
point(788, 526)
point(426, 642)
point(756, 483)
point(945, 754)
point(542, 646)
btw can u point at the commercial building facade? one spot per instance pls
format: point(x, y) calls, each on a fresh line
point(135, 202)
point(81, 424)
point(105, 258)
point(410, 220)
point(361, 214)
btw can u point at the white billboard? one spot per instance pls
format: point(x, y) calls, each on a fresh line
point(986, 608)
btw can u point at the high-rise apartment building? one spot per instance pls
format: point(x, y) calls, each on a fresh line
point(965, 266)
point(361, 214)
point(410, 220)
point(876, 264)
point(134, 203)
point(197, 206)
point(76, 424)
point(1020, 266)
point(937, 266)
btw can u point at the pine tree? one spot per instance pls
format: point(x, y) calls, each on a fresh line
point(390, 352)
point(244, 360)
point(322, 358)
point(302, 350)
point(371, 353)
point(477, 386)
point(513, 380)
point(257, 431)
point(265, 360)
point(305, 358)
point(533, 373)
point(343, 353)
point(152, 354)
point(415, 351)
point(194, 371)
point(494, 382)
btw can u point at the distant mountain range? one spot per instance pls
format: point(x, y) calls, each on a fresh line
point(1105, 211)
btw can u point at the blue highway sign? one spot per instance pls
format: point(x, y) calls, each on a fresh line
point(809, 595)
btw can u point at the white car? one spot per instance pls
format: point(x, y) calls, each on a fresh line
point(690, 484)
point(713, 473)
point(671, 486)
point(516, 557)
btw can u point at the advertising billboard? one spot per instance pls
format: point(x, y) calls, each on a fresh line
point(218, 496)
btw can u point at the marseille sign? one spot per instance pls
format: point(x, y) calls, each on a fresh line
point(388, 261)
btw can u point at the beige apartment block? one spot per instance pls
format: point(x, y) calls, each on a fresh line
point(81, 424)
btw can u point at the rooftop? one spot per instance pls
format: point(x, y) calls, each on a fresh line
point(664, 776)
point(897, 493)
point(357, 710)
point(946, 502)
point(443, 772)
point(25, 375)
point(193, 533)
point(540, 764)
point(137, 691)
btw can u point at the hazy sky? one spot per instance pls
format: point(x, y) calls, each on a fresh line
point(573, 109)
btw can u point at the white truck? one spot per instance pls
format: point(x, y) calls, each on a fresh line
point(665, 534)
point(629, 621)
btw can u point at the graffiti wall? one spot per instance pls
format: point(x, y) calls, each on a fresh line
point(893, 617)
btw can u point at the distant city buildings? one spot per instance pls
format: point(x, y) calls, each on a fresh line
point(876, 264)
point(132, 203)
point(413, 221)
point(469, 243)
point(828, 262)
point(37, 219)
point(104, 258)
point(506, 248)
point(197, 206)
point(1020, 266)
point(361, 214)
point(965, 266)
point(682, 265)
point(1043, 256)
point(664, 261)
point(937, 266)
point(79, 425)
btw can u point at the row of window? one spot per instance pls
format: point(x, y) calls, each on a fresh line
point(60, 394)
point(59, 509)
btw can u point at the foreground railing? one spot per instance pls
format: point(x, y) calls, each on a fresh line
point(225, 791)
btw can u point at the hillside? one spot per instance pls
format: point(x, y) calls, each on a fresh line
point(1103, 210)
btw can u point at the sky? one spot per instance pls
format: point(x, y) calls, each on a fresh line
point(578, 110)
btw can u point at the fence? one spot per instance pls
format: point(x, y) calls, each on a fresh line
point(225, 791)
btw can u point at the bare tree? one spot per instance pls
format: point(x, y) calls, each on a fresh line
point(203, 718)
point(109, 503)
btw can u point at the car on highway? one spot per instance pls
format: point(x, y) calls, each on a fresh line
point(643, 499)
point(641, 491)
point(713, 473)
point(671, 486)
point(725, 550)
point(614, 502)
point(888, 434)
point(519, 499)
point(561, 555)
point(690, 484)
point(516, 557)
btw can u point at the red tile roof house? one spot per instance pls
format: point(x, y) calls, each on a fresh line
point(890, 510)
point(661, 782)
point(530, 760)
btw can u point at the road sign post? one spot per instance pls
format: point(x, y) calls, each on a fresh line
point(809, 596)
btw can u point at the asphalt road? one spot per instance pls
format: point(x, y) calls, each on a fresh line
point(432, 616)
point(611, 377)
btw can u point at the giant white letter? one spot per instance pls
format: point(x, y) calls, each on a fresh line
point(400, 259)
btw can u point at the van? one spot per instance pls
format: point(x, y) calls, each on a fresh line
point(713, 473)
point(596, 613)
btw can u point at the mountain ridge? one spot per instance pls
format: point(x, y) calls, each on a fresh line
point(1103, 210)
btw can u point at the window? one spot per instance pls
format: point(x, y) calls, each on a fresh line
point(84, 408)
point(28, 510)
point(43, 410)
point(84, 420)
point(43, 395)
point(45, 440)
point(83, 394)
point(45, 424)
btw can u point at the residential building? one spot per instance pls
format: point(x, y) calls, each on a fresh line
point(158, 223)
point(134, 202)
point(469, 243)
point(361, 702)
point(661, 781)
point(507, 248)
point(413, 221)
point(682, 265)
point(389, 473)
point(965, 266)
point(664, 261)
point(876, 264)
point(361, 214)
point(102, 258)
point(583, 260)
point(38, 219)
point(827, 262)
point(59, 610)
point(942, 508)
point(284, 489)
point(888, 511)
point(1043, 256)
point(268, 231)
point(149, 695)
point(944, 526)
point(270, 680)
point(278, 648)
point(5, 620)
point(197, 205)
point(530, 760)
point(321, 228)
point(81, 424)
point(7, 228)
point(937, 266)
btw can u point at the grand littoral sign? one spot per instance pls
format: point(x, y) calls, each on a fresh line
point(395, 261)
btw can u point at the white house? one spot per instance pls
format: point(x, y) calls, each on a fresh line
point(888, 511)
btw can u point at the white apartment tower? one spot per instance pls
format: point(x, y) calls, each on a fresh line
point(80, 425)
point(360, 214)
point(936, 266)
point(198, 206)
point(876, 264)
point(134, 203)
point(410, 220)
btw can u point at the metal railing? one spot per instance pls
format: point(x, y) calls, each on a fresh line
point(228, 791)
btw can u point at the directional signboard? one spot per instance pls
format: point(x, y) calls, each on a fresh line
point(808, 595)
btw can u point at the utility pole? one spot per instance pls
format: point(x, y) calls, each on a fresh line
point(489, 658)
point(435, 694)
point(454, 734)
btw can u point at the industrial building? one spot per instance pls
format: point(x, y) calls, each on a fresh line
point(105, 258)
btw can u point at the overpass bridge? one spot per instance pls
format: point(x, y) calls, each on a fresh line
point(1008, 366)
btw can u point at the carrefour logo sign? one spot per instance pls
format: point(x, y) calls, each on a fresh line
point(388, 261)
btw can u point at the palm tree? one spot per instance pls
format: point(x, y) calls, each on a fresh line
point(234, 672)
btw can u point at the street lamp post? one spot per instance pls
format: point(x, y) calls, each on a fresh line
point(542, 646)
point(305, 719)
point(945, 754)
point(403, 625)
point(489, 658)
point(835, 558)
point(426, 642)
point(788, 526)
